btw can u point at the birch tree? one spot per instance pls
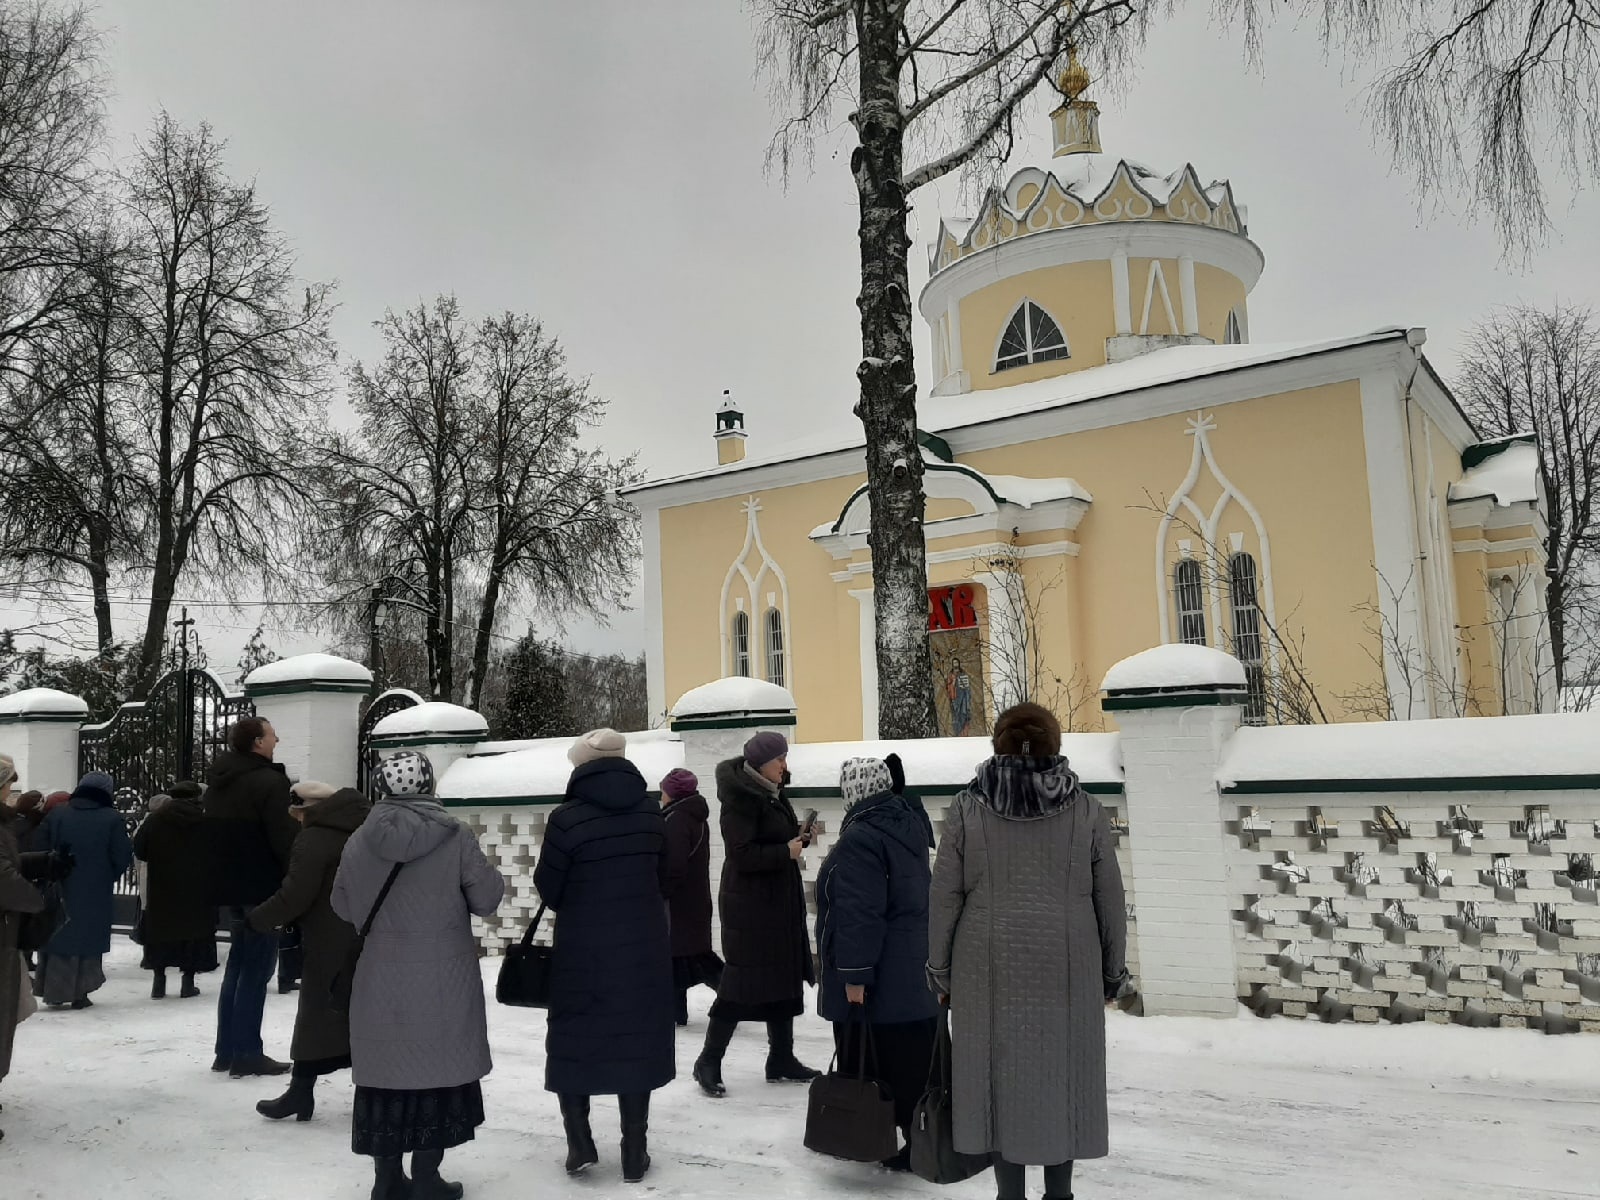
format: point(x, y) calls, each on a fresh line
point(942, 80)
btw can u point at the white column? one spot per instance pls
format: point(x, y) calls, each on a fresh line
point(868, 651)
point(314, 704)
point(1008, 656)
point(1191, 306)
point(1120, 292)
point(957, 363)
point(39, 730)
point(655, 642)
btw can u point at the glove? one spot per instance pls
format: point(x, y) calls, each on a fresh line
point(60, 865)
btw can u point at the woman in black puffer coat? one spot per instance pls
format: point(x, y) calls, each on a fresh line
point(763, 908)
point(689, 887)
point(602, 867)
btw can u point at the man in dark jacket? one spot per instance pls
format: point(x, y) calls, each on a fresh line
point(250, 833)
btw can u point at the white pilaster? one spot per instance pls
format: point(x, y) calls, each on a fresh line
point(655, 642)
point(1122, 304)
point(868, 652)
point(314, 704)
point(39, 730)
point(1191, 306)
point(1008, 653)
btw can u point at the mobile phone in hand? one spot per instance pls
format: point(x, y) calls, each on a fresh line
point(808, 825)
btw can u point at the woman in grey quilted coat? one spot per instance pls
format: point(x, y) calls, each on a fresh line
point(1027, 933)
point(419, 1039)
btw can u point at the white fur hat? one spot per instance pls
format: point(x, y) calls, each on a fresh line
point(597, 743)
point(309, 791)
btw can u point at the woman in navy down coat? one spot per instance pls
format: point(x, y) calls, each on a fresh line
point(602, 868)
point(872, 936)
point(97, 837)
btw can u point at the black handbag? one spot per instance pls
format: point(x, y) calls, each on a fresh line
point(38, 928)
point(343, 984)
point(933, 1148)
point(525, 973)
point(850, 1116)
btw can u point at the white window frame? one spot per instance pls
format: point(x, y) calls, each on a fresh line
point(1197, 612)
point(995, 366)
point(776, 662)
point(739, 635)
point(1245, 628)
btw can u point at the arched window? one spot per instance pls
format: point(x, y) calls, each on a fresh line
point(1031, 336)
point(1190, 595)
point(1247, 635)
point(775, 671)
point(741, 643)
point(1233, 335)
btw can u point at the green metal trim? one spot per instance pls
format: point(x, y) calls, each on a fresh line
point(935, 445)
point(399, 740)
point(44, 718)
point(348, 687)
point(1459, 783)
point(1128, 701)
point(515, 801)
point(832, 793)
point(1481, 452)
point(732, 722)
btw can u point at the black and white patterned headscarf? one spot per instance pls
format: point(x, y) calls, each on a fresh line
point(405, 774)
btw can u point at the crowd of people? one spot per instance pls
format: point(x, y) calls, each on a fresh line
point(1016, 927)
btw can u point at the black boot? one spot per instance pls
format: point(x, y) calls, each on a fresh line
point(158, 986)
point(635, 1127)
point(680, 1012)
point(426, 1183)
point(782, 1065)
point(390, 1182)
point(256, 1064)
point(708, 1067)
point(580, 1140)
point(1058, 1182)
point(188, 989)
point(297, 1102)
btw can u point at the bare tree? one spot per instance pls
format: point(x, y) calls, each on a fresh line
point(1528, 370)
point(231, 370)
point(947, 76)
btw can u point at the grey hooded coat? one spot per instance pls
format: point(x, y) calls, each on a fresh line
point(417, 1016)
point(1027, 933)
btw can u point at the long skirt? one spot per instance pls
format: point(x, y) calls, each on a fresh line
point(195, 957)
point(61, 978)
point(389, 1122)
point(899, 1058)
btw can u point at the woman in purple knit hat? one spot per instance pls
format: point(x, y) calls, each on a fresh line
point(688, 887)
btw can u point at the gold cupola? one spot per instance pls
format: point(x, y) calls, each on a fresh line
point(1076, 123)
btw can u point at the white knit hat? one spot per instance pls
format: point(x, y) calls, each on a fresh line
point(597, 743)
point(309, 791)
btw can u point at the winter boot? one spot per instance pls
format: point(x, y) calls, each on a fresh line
point(708, 1067)
point(782, 1065)
point(188, 989)
point(297, 1102)
point(81, 1003)
point(158, 986)
point(390, 1182)
point(680, 1012)
point(581, 1152)
point(635, 1126)
point(257, 1064)
point(426, 1183)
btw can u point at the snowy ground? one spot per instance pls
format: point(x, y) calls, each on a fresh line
point(118, 1102)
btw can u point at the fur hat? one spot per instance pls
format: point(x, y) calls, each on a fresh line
point(861, 778)
point(405, 774)
point(96, 786)
point(1028, 730)
point(185, 789)
point(309, 791)
point(764, 747)
point(679, 783)
point(597, 743)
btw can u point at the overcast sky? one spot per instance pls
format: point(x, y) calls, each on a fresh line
point(600, 164)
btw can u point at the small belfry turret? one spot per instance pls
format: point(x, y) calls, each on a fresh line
point(1076, 123)
point(730, 433)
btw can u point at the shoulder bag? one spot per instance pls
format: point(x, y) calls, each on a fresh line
point(850, 1116)
point(343, 984)
point(932, 1138)
point(524, 980)
point(36, 929)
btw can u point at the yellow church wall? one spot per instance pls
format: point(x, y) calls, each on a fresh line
point(1217, 294)
point(1077, 295)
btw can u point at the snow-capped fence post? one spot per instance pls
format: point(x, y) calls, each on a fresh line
point(443, 732)
point(39, 730)
point(314, 704)
point(1177, 707)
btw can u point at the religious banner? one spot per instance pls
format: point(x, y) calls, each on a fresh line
point(957, 651)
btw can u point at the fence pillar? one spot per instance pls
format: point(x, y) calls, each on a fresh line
point(39, 730)
point(443, 732)
point(314, 704)
point(1177, 707)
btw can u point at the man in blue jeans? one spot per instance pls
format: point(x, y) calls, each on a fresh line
point(250, 833)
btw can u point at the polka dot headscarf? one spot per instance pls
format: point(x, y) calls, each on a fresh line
point(405, 774)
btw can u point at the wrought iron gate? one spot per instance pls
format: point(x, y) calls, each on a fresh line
point(386, 705)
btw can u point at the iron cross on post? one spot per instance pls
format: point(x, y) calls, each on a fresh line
point(183, 625)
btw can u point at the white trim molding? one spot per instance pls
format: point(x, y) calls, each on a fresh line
point(737, 569)
point(868, 652)
point(655, 639)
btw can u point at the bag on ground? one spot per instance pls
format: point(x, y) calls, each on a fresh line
point(850, 1116)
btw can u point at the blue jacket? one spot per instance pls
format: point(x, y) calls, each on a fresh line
point(872, 912)
point(98, 838)
point(601, 869)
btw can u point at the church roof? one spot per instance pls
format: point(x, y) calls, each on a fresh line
point(1506, 470)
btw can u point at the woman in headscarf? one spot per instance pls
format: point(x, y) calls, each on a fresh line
point(763, 909)
point(179, 922)
point(321, 1032)
point(872, 936)
point(419, 1037)
point(688, 887)
point(601, 868)
point(1026, 942)
point(96, 836)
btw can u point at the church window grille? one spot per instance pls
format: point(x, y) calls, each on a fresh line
point(1190, 595)
point(775, 672)
point(741, 644)
point(1247, 646)
point(1031, 336)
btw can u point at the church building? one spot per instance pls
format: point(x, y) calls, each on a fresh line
point(1112, 464)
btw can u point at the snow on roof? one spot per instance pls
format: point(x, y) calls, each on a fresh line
point(301, 668)
point(432, 717)
point(540, 769)
point(1509, 472)
point(1175, 666)
point(947, 762)
point(43, 700)
point(1452, 748)
point(738, 694)
point(1028, 492)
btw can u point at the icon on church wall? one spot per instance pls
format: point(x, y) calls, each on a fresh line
point(955, 644)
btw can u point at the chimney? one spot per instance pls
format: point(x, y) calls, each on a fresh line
point(730, 432)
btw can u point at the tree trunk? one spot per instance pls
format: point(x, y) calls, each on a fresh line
point(480, 646)
point(888, 405)
point(100, 582)
point(1555, 598)
point(162, 589)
